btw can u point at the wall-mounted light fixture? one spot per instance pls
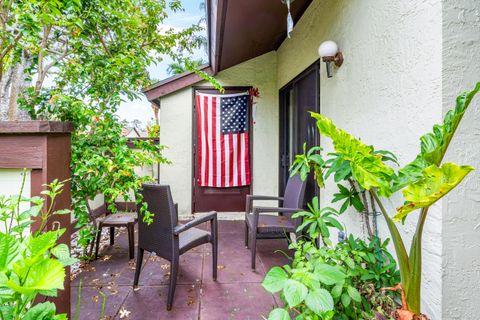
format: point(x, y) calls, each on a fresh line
point(329, 53)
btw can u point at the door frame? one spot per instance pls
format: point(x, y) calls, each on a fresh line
point(283, 120)
point(195, 132)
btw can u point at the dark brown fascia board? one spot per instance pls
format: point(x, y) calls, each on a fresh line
point(38, 126)
point(216, 16)
point(173, 84)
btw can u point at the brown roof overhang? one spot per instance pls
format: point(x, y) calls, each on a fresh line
point(174, 83)
point(238, 30)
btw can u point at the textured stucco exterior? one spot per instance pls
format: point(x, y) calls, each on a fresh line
point(176, 130)
point(11, 183)
point(461, 209)
point(387, 92)
point(405, 62)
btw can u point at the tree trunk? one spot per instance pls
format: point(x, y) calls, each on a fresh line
point(13, 83)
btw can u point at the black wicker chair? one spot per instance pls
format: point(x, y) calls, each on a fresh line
point(167, 238)
point(262, 226)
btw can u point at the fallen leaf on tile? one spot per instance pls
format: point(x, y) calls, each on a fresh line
point(220, 267)
point(165, 266)
point(123, 313)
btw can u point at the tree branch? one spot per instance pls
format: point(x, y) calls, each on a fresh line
point(102, 41)
point(10, 46)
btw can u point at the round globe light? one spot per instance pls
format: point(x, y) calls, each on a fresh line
point(328, 49)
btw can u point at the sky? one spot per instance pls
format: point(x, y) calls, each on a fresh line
point(140, 109)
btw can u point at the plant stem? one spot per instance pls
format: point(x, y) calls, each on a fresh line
point(402, 256)
point(415, 260)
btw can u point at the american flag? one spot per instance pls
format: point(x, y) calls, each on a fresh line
point(222, 146)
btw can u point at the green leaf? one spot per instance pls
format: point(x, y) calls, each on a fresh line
point(9, 250)
point(433, 145)
point(275, 279)
point(295, 292)
point(329, 275)
point(42, 243)
point(354, 294)
point(279, 314)
point(319, 301)
point(367, 168)
point(345, 299)
point(434, 184)
point(62, 253)
point(41, 311)
point(46, 275)
point(337, 290)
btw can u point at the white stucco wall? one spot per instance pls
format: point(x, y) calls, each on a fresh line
point(11, 183)
point(461, 209)
point(176, 130)
point(388, 92)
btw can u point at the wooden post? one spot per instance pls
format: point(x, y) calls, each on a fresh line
point(43, 147)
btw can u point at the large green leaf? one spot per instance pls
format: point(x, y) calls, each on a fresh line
point(41, 311)
point(319, 301)
point(328, 274)
point(295, 292)
point(62, 253)
point(275, 279)
point(433, 145)
point(434, 184)
point(367, 167)
point(45, 276)
point(41, 244)
point(279, 314)
point(9, 250)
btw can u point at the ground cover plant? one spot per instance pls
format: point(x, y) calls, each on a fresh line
point(423, 182)
point(31, 264)
point(340, 281)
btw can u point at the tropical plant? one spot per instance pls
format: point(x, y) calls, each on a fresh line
point(352, 195)
point(317, 221)
point(31, 264)
point(423, 182)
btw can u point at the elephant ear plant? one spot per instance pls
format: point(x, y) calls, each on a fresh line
point(422, 182)
point(31, 264)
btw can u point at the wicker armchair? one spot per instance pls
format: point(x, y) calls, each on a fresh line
point(263, 226)
point(167, 238)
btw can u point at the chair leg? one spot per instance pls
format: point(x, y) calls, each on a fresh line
point(131, 241)
point(253, 246)
point(112, 235)
point(97, 245)
point(138, 266)
point(215, 249)
point(246, 234)
point(173, 281)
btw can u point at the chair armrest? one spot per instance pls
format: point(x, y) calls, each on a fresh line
point(251, 198)
point(257, 210)
point(211, 216)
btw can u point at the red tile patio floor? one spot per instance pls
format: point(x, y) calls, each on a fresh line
point(237, 294)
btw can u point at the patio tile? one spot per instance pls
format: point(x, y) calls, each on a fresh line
point(233, 262)
point(246, 301)
point(151, 303)
point(237, 294)
point(157, 270)
point(91, 301)
point(104, 271)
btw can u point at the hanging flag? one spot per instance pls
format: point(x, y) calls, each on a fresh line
point(222, 140)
